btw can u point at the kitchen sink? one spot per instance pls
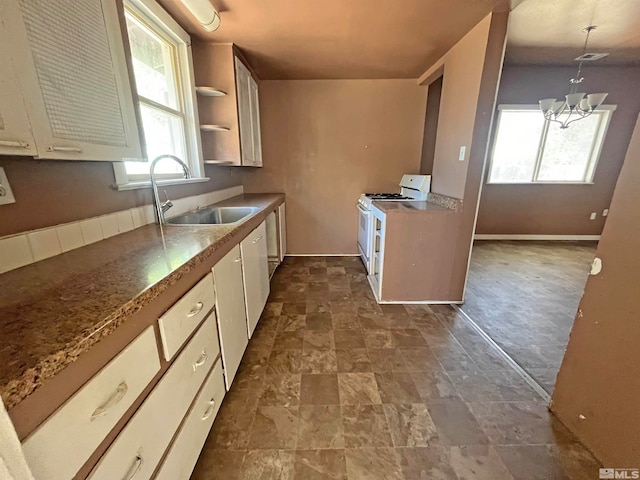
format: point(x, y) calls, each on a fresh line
point(213, 216)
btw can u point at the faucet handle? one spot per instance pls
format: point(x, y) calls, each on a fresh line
point(167, 204)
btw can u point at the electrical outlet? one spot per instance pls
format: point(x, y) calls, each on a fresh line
point(6, 195)
point(593, 216)
point(463, 152)
point(605, 212)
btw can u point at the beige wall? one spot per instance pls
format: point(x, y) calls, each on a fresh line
point(327, 141)
point(50, 192)
point(563, 209)
point(599, 375)
point(463, 67)
point(471, 75)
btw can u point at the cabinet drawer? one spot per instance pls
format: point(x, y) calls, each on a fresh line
point(186, 449)
point(185, 315)
point(136, 452)
point(60, 446)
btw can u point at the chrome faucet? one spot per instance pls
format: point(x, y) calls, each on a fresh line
point(162, 207)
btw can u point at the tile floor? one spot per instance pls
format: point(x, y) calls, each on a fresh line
point(525, 295)
point(335, 386)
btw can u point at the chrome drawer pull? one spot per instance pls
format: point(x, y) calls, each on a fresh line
point(209, 410)
point(118, 395)
point(13, 143)
point(135, 468)
point(201, 361)
point(258, 239)
point(238, 260)
point(195, 309)
point(53, 148)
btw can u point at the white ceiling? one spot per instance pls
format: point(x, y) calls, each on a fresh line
point(549, 32)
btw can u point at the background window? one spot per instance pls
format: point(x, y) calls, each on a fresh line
point(161, 59)
point(529, 149)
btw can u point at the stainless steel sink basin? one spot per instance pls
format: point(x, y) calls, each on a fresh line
point(213, 216)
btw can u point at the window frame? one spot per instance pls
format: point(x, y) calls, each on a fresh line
point(153, 16)
point(594, 157)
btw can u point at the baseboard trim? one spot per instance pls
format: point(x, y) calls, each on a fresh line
point(322, 255)
point(419, 302)
point(500, 236)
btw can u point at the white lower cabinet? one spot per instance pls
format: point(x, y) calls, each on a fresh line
point(239, 288)
point(232, 320)
point(184, 452)
point(60, 446)
point(255, 270)
point(136, 452)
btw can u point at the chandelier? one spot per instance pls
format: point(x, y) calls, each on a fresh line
point(576, 105)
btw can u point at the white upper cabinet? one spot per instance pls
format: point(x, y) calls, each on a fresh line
point(70, 64)
point(249, 116)
point(15, 131)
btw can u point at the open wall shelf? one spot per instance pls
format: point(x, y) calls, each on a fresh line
point(218, 162)
point(213, 128)
point(210, 92)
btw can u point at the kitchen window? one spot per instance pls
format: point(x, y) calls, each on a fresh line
point(162, 68)
point(529, 149)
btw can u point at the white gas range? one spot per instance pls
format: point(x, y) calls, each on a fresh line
point(412, 188)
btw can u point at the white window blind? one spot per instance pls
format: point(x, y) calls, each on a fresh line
point(70, 48)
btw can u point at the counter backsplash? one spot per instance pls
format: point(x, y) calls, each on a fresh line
point(29, 247)
point(447, 202)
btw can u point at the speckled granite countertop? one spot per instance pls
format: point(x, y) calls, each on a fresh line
point(413, 206)
point(54, 310)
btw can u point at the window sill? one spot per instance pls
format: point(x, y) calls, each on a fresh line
point(160, 183)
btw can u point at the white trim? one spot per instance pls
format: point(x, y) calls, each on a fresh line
point(161, 183)
point(517, 236)
point(604, 112)
point(322, 255)
point(155, 15)
point(420, 302)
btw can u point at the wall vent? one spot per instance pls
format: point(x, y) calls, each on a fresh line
point(591, 57)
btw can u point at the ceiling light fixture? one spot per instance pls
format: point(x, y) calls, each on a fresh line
point(204, 12)
point(577, 105)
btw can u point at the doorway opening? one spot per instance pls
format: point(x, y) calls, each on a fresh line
point(434, 94)
point(542, 208)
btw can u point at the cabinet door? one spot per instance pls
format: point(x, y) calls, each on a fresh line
point(232, 320)
point(282, 230)
point(255, 269)
point(255, 123)
point(15, 130)
point(71, 67)
point(244, 112)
